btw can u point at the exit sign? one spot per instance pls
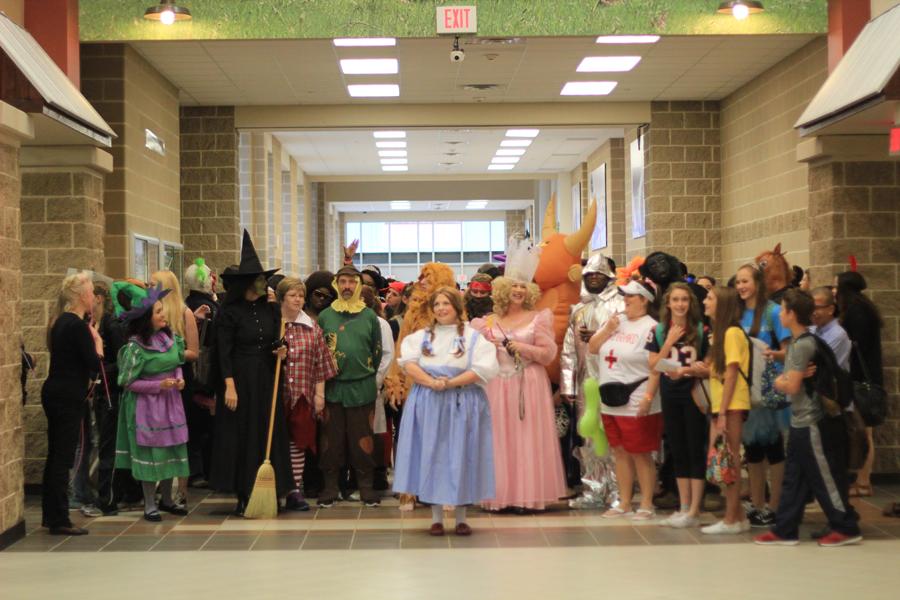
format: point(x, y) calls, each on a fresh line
point(455, 20)
point(895, 141)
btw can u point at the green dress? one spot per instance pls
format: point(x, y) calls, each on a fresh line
point(152, 432)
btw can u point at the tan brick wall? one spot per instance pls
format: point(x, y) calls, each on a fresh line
point(12, 447)
point(764, 188)
point(62, 228)
point(210, 211)
point(854, 208)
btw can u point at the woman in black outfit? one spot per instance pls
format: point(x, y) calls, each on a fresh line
point(76, 352)
point(861, 320)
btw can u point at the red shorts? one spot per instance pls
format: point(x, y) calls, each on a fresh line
point(637, 434)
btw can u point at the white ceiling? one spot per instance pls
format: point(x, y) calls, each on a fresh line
point(429, 151)
point(431, 206)
point(291, 72)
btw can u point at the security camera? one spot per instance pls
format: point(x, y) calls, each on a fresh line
point(457, 54)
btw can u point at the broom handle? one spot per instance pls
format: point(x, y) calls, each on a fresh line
point(274, 397)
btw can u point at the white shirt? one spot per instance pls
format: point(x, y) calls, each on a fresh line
point(387, 352)
point(624, 359)
point(483, 354)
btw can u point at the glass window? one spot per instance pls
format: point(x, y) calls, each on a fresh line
point(448, 237)
point(404, 237)
point(425, 237)
point(476, 236)
point(374, 237)
point(352, 231)
point(140, 268)
point(173, 259)
point(498, 236)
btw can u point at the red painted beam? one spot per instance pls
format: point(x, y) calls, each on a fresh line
point(54, 24)
point(846, 18)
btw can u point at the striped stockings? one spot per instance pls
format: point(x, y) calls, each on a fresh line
point(298, 462)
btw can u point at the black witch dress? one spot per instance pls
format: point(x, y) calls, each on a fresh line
point(247, 333)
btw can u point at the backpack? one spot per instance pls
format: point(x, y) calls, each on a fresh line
point(761, 380)
point(834, 387)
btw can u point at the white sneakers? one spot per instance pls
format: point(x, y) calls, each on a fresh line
point(723, 528)
point(680, 520)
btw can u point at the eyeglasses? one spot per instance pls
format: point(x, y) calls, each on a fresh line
point(322, 295)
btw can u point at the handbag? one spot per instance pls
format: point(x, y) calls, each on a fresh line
point(869, 398)
point(202, 365)
point(720, 464)
point(617, 394)
point(700, 395)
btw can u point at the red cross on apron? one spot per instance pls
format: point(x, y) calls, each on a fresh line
point(611, 358)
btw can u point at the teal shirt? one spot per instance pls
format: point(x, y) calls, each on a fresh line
point(354, 341)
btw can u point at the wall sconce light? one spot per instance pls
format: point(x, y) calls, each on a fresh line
point(740, 9)
point(167, 12)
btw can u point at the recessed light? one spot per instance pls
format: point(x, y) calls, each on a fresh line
point(356, 42)
point(400, 205)
point(505, 160)
point(395, 168)
point(627, 39)
point(390, 144)
point(523, 133)
point(389, 135)
point(377, 90)
point(476, 204)
point(515, 143)
point(393, 161)
point(604, 64)
point(391, 153)
point(370, 66)
point(510, 151)
point(588, 88)
point(501, 167)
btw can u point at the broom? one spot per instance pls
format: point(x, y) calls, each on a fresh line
point(263, 502)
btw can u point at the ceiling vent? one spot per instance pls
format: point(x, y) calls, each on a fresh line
point(494, 41)
point(440, 205)
point(481, 87)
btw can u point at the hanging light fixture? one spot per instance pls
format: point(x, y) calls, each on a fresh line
point(740, 9)
point(167, 12)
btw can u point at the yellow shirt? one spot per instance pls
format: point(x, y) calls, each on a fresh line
point(737, 350)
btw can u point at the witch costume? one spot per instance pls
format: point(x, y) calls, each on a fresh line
point(151, 439)
point(247, 335)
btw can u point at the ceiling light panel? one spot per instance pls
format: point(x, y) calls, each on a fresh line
point(390, 144)
point(522, 133)
point(370, 66)
point(392, 153)
point(382, 90)
point(476, 204)
point(588, 88)
point(389, 135)
point(495, 167)
point(364, 42)
point(510, 151)
point(627, 39)
point(515, 143)
point(400, 205)
point(393, 161)
point(607, 64)
point(504, 160)
point(394, 168)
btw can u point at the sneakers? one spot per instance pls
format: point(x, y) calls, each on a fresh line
point(835, 539)
point(672, 519)
point(89, 510)
point(723, 528)
point(372, 503)
point(761, 518)
point(296, 502)
point(686, 522)
point(770, 539)
point(328, 503)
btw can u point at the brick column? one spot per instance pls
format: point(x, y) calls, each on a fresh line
point(210, 211)
point(615, 200)
point(854, 209)
point(15, 127)
point(62, 228)
point(683, 185)
point(515, 223)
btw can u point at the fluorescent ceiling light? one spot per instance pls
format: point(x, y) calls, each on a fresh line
point(501, 167)
point(476, 204)
point(510, 151)
point(515, 143)
point(607, 64)
point(505, 160)
point(395, 168)
point(400, 205)
point(370, 66)
point(627, 39)
point(390, 144)
point(377, 90)
point(393, 161)
point(525, 133)
point(588, 88)
point(355, 42)
point(391, 153)
point(388, 135)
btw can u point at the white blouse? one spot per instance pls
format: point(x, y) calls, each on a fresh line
point(483, 354)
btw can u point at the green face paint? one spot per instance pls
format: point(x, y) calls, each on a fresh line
point(259, 285)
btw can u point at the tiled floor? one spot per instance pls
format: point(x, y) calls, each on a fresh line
point(349, 526)
point(560, 553)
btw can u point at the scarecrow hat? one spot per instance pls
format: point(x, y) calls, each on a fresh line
point(250, 264)
point(143, 305)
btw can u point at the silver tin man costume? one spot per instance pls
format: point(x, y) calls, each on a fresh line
point(577, 364)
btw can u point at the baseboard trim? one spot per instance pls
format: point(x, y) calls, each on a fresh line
point(12, 535)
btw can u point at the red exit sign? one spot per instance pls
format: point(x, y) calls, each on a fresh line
point(455, 20)
point(895, 141)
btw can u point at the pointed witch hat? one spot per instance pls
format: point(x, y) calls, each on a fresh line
point(250, 264)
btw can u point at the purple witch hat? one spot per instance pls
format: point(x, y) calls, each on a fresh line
point(145, 304)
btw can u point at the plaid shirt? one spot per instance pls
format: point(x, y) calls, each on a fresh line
point(308, 361)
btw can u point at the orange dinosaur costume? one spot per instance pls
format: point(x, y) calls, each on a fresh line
point(559, 273)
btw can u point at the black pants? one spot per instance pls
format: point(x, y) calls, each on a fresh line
point(817, 465)
point(685, 429)
point(64, 416)
point(348, 431)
